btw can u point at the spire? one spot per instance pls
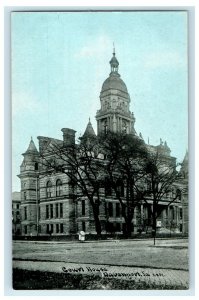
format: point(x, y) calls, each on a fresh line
point(89, 130)
point(114, 62)
point(184, 170)
point(113, 49)
point(186, 157)
point(31, 148)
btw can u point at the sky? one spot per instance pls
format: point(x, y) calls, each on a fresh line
point(60, 61)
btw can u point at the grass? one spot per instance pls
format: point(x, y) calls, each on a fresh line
point(36, 280)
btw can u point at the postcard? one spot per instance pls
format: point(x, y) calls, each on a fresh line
point(100, 150)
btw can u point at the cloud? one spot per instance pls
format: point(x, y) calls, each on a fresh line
point(25, 103)
point(165, 60)
point(95, 47)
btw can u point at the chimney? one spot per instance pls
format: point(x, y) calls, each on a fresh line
point(68, 136)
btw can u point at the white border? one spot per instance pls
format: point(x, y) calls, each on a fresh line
point(77, 4)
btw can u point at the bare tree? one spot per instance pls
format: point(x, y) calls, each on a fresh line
point(161, 176)
point(126, 158)
point(82, 164)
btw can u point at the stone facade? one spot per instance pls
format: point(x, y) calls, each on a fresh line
point(16, 219)
point(48, 207)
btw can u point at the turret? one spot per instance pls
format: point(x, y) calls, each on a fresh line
point(29, 189)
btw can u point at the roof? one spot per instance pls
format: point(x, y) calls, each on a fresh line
point(114, 61)
point(89, 130)
point(31, 148)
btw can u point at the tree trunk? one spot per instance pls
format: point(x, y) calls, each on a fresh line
point(97, 222)
point(154, 228)
point(128, 227)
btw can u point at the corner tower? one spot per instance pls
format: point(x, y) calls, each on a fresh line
point(29, 191)
point(114, 114)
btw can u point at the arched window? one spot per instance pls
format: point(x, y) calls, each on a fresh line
point(49, 189)
point(58, 187)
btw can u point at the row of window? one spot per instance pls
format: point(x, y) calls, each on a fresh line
point(58, 213)
point(108, 188)
point(114, 207)
point(110, 206)
point(15, 206)
point(54, 228)
point(50, 228)
point(49, 188)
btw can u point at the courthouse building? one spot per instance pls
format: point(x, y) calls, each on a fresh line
point(47, 207)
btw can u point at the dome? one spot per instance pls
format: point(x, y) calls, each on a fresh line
point(114, 82)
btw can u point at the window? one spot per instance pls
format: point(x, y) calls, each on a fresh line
point(61, 228)
point(58, 188)
point(49, 229)
point(49, 189)
point(178, 194)
point(108, 189)
point(25, 229)
point(180, 213)
point(24, 194)
point(51, 211)
point(83, 226)
point(17, 206)
point(148, 186)
point(105, 127)
point(57, 210)
point(47, 211)
point(39, 212)
point(117, 227)
point(110, 209)
point(36, 166)
point(61, 210)
point(117, 209)
point(120, 188)
point(25, 213)
point(124, 127)
point(172, 213)
point(83, 207)
point(57, 228)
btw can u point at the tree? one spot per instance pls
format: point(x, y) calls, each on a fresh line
point(161, 176)
point(126, 158)
point(82, 164)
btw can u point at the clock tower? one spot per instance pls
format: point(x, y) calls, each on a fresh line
point(114, 114)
